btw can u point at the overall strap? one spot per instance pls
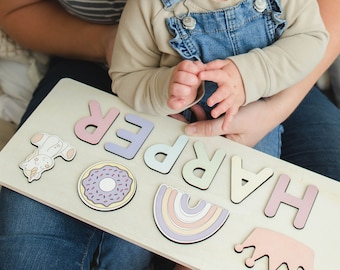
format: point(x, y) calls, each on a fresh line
point(170, 3)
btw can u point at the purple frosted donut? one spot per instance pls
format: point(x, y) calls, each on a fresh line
point(107, 185)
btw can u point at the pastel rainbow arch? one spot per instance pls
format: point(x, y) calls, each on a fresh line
point(184, 224)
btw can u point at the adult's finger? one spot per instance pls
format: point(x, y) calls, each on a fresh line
point(206, 128)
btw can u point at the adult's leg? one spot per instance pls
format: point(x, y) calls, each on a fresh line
point(116, 253)
point(34, 236)
point(271, 143)
point(312, 136)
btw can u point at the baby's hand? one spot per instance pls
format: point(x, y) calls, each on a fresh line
point(184, 84)
point(230, 94)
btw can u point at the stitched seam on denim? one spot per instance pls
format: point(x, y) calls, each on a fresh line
point(87, 250)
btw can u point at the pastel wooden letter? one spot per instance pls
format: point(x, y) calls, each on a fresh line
point(96, 120)
point(304, 205)
point(171, 154)
point(136, 139)
point(239, 189)
point(209, 167)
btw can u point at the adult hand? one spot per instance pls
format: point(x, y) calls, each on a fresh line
point(248, 126)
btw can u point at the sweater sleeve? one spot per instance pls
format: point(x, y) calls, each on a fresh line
point(289, 59)
point(137, 77)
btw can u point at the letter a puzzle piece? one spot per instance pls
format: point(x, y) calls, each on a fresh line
point(239, 190)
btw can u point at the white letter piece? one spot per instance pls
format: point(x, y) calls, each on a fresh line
point(171, 155)
point(241, 190)
point(210, 167)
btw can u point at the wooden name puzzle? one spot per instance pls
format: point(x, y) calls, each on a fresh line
point(204, 202)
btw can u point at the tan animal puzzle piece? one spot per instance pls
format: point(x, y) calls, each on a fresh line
point(42, 159)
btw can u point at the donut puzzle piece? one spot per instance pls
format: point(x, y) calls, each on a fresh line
point(182, 223)
point(42, 159)
point(106, 186)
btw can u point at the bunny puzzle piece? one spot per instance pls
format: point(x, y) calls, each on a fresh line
point(42, 159)
point(280, 249)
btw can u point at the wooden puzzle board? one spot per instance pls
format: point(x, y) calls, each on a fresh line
point(69, 102)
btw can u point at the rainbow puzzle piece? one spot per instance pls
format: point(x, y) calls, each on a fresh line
point(184, 224)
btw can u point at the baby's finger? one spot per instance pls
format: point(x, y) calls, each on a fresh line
point(179, 117)
point(199, 112)
point(221, 94)
point(200, 66)
point(176, 103)
point(217, 76)
point(222, 108)
point(215, 64)
point(180, 90)
point(193, 67)
point(186, 78)
point(228, 117)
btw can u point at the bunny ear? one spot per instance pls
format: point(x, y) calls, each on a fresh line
point(37, 138)
point(69, 153)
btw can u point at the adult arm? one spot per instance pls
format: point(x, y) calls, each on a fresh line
point(44, 26)
point(256, 119)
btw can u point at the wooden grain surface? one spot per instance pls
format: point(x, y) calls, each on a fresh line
point(69, 102)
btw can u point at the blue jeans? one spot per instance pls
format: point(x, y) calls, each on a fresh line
point(271, 144)
point(34, 236)
point(312, 136)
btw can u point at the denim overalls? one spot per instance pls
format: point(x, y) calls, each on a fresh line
point(226, 32)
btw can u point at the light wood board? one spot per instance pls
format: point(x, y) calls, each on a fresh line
point(69, 102)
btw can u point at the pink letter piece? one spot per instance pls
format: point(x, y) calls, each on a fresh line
point(101, 124)
point(304, 205)
point(136, 140)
